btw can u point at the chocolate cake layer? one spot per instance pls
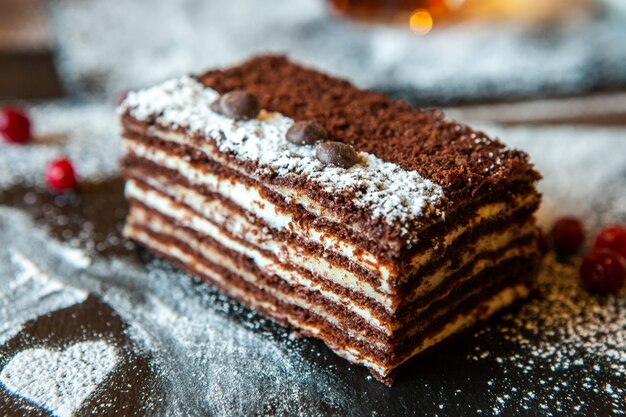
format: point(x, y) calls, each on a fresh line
point(162, 226)
point(363, 199)
point(356, 240)
point(422, 229)
point(207, 207)
point(350, 345)
point(156, 155)
point(305, 280)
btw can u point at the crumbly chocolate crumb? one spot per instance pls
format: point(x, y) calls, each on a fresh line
point(466, 163)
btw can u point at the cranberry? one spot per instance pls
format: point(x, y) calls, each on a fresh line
point(567, 235)
point(60, 175)
point(14, 125)
point(614, 238)
point(603, 271)
point(543, 244)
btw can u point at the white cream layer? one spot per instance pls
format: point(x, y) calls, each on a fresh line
point(488, 243)
point(483, 214)
point(486, 309)
point(234, 223)
point(351, 353)
point(251, 300)
point(216, 216)
point(251, 199)
point(502, 299)
point(217, 258)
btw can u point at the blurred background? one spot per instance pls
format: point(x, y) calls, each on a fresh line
point(467, 55)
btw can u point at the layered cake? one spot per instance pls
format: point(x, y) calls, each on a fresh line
point(374, 226)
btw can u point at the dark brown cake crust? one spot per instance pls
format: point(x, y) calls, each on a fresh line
point(465, 162)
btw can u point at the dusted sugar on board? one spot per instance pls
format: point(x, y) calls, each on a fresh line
point(377, 227)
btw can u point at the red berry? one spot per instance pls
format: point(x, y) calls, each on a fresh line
point(567, 235)
point(543, 244)
point(60, 175)
point(603, 271)
point(14, 125)
point(614, 238)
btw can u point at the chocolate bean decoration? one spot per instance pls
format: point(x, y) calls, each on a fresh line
point(216, 106)
point(337, 153)
point(237, 104)
point(306, 133)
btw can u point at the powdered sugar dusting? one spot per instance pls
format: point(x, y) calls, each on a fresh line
point(565, 331)
point(59, 381)
point(235, 365)
point(77, 257)
point(398, 196)
point(30, 285)
point(213, 355)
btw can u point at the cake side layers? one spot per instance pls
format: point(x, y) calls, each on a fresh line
point(361, 350)
point(417, 334)
point(429, 229)
point(352, 278)
point(201, 170)
point(184, 206)
point(487, 251)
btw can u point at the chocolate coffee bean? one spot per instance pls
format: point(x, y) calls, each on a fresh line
point(337, 153)
point(306, 133)
point(237, 104)
point(216, 106)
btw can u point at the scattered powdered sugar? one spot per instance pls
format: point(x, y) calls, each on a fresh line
point(59, 381)
point(87, 133)
point(77, 257)
point(22, 280)
point(8, 330)
point(565, 331)
point(218, 364)
point(214, 356)
point(391, 193)
point(566, 343)
point(31, 278)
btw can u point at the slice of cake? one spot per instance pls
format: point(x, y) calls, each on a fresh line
point(377, 227)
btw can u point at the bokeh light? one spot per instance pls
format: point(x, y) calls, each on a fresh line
point(421, 21)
